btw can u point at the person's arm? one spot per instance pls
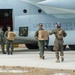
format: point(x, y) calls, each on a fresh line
point(52, 32)
point(2, 35)
point(5, 34)
point(36, 34)
point(64, 33)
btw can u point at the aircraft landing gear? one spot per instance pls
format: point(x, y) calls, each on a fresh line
point(50, 48)
point(72, 47)
point(32, 46)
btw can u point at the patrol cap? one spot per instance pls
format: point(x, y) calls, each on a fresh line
point(8, 27)
point(40, 24)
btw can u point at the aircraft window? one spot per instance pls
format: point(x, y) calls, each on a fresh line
point(25, 11)
point(23, 31)
point(39, 10)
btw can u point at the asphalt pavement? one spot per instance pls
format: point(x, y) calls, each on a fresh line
point(30, 58)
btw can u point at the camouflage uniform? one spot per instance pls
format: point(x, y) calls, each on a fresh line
point(58, 44)
point(41, 44)
point(2, 41)
point(9, 44)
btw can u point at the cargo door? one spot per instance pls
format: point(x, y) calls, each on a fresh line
point(6, 18)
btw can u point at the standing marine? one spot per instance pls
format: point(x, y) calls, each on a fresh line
point(58, 43)
point(9, 43)
point(2, 40)
point(41, 43)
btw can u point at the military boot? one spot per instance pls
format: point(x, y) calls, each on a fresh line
point(57, 60)
point(3, 51)
point(57, 57)
point(42, 57)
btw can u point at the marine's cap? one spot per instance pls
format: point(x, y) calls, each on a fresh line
point(40, 24)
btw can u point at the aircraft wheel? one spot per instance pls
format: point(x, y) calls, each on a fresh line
point(64, 47)
point(32, 46)
point(50, 48)
point(72, 47)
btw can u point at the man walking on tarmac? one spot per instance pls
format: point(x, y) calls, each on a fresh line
point(58, 43)
point(41, 43)
point(9, 43)
point(2, 40)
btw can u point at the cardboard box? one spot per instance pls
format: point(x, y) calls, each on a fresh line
point(11, 35)
point(43, 35)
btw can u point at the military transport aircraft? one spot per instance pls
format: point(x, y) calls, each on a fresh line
point(25, 15)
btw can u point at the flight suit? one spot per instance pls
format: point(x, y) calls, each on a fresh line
point(9, 44)
point(2, 41)
point(41, 44)
point(58, 44)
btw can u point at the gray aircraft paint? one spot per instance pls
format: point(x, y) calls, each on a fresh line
point(32, 18)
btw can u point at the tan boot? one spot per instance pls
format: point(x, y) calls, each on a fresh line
point(43, 57)
point(57, 61)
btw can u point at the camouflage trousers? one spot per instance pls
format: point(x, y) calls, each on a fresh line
point(58, 47)
point(2, 47)
point(41, 45)
point(9, 44)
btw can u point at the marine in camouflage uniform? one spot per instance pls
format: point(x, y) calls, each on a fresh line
point(58, 43)
point(41, 43)
point(9, 43)
point(2, 40)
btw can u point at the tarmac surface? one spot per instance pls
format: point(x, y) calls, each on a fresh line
point(30, 58)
